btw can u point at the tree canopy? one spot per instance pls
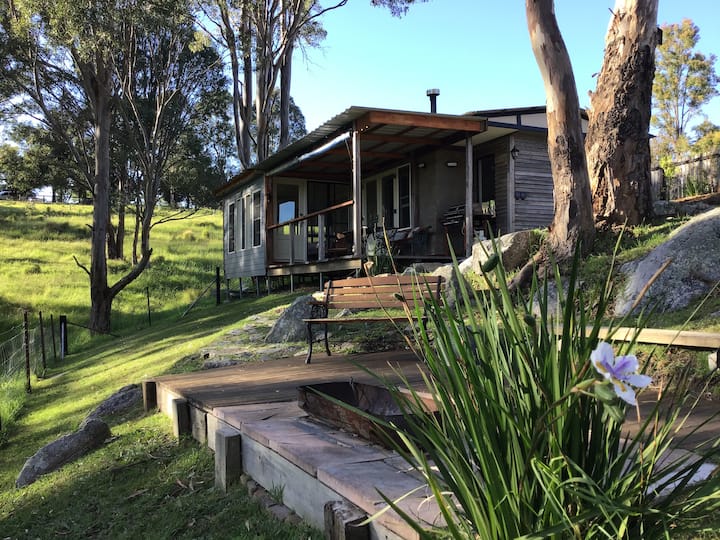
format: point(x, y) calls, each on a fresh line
point(685, 80)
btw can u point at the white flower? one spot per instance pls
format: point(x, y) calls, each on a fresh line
point(621, 371)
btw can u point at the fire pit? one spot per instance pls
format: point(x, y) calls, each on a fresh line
point(373, 400)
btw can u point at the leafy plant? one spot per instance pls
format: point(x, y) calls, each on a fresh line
point(528, 442)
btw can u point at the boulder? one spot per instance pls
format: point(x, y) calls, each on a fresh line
point(121, 400)
point(694, 250)
point(92, 434)
point(453, 279)
point(514, 249)
point(289, 326)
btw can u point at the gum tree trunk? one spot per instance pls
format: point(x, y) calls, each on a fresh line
point(617, 144)
point(573, 218)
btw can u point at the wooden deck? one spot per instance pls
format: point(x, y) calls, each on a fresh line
point(248, 414)
point(277, 380)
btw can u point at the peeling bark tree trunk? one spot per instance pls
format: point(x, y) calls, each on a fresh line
point(573, 218)
point(617, 144)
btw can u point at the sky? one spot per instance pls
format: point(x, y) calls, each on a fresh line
point(476, 52)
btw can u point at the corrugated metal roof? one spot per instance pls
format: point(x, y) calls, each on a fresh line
point(386, 137)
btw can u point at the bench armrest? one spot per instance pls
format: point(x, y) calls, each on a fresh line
point(318, 310)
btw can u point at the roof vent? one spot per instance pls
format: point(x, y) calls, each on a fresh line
point(433, 93)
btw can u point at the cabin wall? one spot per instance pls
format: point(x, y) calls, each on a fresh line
point(533, 182)
point(250, 261)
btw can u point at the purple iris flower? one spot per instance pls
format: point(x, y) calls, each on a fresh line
point(621, 371)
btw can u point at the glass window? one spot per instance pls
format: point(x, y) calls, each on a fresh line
point(371, 203)
point(231, 227)
point(388, 201)
point(404, 196)
point(484, 184)
point(243, 222)
point(256, 218)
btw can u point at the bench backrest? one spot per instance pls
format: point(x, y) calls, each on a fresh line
point(381, 292)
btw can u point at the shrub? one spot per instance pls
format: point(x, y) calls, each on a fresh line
point(528, 441)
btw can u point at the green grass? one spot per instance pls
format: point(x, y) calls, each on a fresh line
point(143, 483)
point(38, 243)
point(137, 479)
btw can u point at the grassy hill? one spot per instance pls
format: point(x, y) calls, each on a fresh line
point(39, 244)
point(143, 476)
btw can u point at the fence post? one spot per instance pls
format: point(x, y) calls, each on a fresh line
point(42, 343)
point(63, 337)
point(217, 285)
point(26, 340)
point(52, 333)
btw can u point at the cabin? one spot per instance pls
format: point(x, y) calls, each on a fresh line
point(428, 184)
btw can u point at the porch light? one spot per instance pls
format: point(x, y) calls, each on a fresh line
point(452, 164)
point(514, 152)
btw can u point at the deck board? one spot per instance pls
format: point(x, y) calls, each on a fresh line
point(277, 380)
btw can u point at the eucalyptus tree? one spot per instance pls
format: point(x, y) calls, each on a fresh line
point(76, 67)
point(168, 85)
point(62, 68)
point(573, 220)
point(617, 142)
point(260, 37)
point(685, 81)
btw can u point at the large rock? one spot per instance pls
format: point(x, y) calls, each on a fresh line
point(453, 280)
point(694, 250)
point(514, 249)
point(289, 326)
point(121, 400)
point(92, 434)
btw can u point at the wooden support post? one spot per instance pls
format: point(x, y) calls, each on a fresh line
point(218, 300)
point(713, 360)
point(63, 337)
point(228, 458)
point(42, 342)
point(356, 193)
point(198, 424)
point(469, 225)
point(322, 238)
point(343, 521)
point(52, 334)
point(181, 417)
point(149, 389)
point(26, 346)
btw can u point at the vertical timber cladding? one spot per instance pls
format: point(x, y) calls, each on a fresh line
point(246, 260)
point(533, 188)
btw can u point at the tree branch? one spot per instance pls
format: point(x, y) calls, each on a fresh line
point(81, 266)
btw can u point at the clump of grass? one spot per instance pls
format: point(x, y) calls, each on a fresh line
point(13, 395)
point(33, 269)
point(527, 442)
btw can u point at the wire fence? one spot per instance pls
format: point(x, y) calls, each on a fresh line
point(12, 352)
